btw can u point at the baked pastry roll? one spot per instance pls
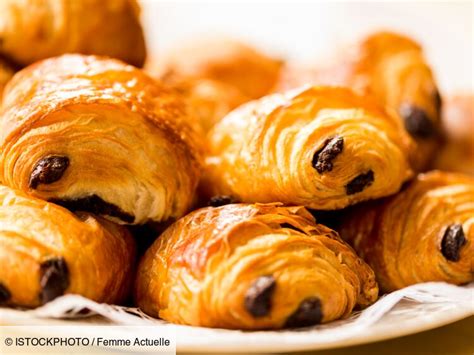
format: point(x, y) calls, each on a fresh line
point(393, 69)
point(6, 73)
point(46, 251)
point(457, 154)
point(252, 267)
point(209, 100)
point(31, 30)
point(424, 233)
point(97, 135)
point(320, 147)
point(225, 60)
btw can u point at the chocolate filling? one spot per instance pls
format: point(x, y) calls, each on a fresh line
point(54, 279)
point(218, 201)
point(258, 299)
point(96, 205)
point(323, 159)
point(452, 242)
point(48, 170)
point(309, 312)
point(417, 122)
point(5, 294)
point(360, 182)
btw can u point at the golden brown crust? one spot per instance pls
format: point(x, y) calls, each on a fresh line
point(393, 69)
point(320, 147)
point(457, 154)
point(47, 251)
point(127, 137)
point(31, 30)
point(202, 270)
point(221, 59)
point(424, 233)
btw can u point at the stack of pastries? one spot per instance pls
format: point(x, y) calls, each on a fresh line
point(224, 155)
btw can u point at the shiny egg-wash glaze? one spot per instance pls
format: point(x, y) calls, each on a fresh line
point(98, 135)
point(392, 68)
point(46, 251)
point(31, 30)
point(320, 147)
point(252, 267)
point(424, 233)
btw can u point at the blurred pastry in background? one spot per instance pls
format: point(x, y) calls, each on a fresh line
point(46, 251)
point(6, 73)
point(252, 267)
point(98, 135)
point(31, 30)
point(320, 147)
point(225, 60)
point(458, 126)
point(210, 100)
point(393, 69)
point(424, 233)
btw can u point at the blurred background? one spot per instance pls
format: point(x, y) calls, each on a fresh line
point(308, 31)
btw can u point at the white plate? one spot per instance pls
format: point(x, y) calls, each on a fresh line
point(408, 311)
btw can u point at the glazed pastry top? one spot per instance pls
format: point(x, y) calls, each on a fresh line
point(424, 233)
point(85, 129)
point(252, 267)
point(392, 68)
point(321, 147)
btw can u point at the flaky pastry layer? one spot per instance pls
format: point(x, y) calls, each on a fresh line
point(392, 68)
point(424, 233)
point(97, 135)
point(46, 251)
point(320, 147)
point(252, 267)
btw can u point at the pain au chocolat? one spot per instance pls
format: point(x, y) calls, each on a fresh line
point(259, 266)
point(46, 251)
point(393, 69)
point(320, 147)
point(424, 233)
point(97, 135)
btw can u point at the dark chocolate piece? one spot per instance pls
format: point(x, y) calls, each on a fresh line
point(452, 242)
point(54, 279)
point(96, 205)
point(287, 225)
point(309, 313)
point(5, 294)
point(360, 182)
point(258, 299)
point(48, 170)
point(218, 201)
point(417, 122)
point(323, 159)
